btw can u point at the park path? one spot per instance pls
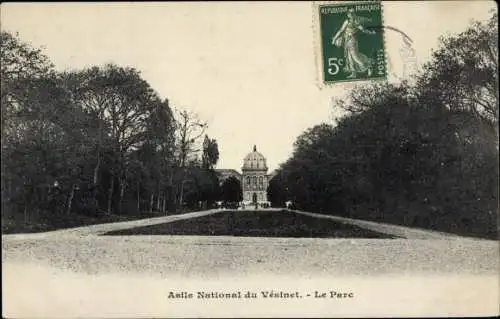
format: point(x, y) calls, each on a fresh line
point(78, 273)
point(84, 249)
point(388, 229)
point(100, 229)
point(384, 228)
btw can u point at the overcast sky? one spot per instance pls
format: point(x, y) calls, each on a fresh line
point(247, 68)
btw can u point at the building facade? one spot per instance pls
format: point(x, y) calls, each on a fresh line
point(254, 178)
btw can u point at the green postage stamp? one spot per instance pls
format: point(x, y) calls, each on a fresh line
point(352, 41)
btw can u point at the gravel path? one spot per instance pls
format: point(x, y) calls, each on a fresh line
point(78, 273)
point(103, 228)
point(209, 256)
point(390, 229)
point(83, 250)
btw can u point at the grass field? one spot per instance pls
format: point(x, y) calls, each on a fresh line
point(255, 224)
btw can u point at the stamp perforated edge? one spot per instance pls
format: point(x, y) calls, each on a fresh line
point(317, 46)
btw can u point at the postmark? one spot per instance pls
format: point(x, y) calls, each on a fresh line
point(407, 54)
point(352, 46)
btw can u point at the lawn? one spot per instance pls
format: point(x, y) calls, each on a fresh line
point(255, 224)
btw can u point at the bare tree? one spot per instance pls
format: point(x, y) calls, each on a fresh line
point(189, 131)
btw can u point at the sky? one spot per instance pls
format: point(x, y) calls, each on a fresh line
point(248, 69)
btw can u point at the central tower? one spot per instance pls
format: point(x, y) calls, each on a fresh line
point(254, 179)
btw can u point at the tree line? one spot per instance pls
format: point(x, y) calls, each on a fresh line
point(95, 142)
point(420, 153)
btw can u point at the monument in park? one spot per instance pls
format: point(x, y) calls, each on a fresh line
point(253, 178)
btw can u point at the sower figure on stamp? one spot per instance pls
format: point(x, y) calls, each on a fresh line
point(355, 61)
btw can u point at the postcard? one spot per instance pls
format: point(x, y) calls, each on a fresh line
point(250, 159)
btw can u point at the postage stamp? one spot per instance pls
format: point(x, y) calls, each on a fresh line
point(352, 42)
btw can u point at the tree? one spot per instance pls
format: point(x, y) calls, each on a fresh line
point(276, 191)
point(201, 187)
point(463, 72)
point(189, 129)
point(162, 133)
point(421, 154)
point(40, 130)
point(231, 190)
point(209, 188)
point(20, 65)
point(122, 102)
point(69, 138)
point(210, 153)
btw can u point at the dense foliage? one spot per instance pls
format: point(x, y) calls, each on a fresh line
point(421, 154)
point(276, 191)
point(96, 142)
point(231, 190)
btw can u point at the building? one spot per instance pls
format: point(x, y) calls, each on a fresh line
point(254, 179)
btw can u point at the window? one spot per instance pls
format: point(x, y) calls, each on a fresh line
point(248, 180)
point(254, 180)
